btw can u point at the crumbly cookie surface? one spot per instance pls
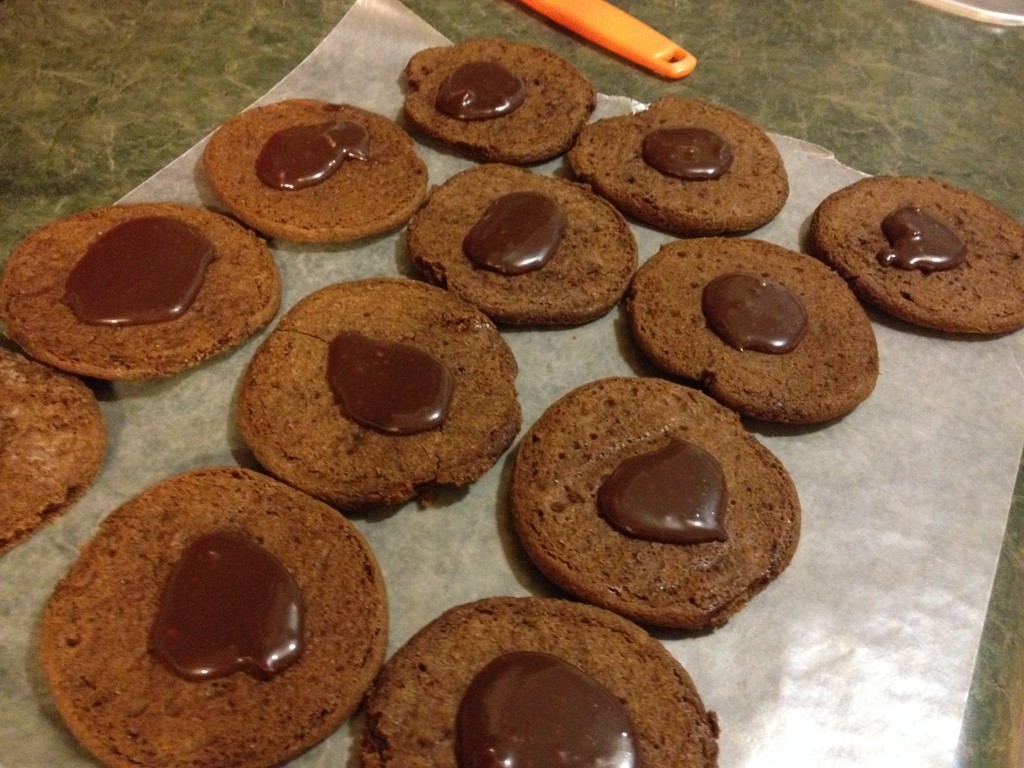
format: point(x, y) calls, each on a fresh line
point(52, 442)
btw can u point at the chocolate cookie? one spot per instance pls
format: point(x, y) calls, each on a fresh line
point(371, 391)
point(118, 628)
point(578, 504)
point(137, 291)
point(497, 100)
point(311, 171)
point(684, 166)
point(926, 252)
point(524, 248)
point(767, 331)
point(52, 443)
point(574, 652)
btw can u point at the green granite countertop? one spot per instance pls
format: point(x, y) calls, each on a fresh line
point(97, 96)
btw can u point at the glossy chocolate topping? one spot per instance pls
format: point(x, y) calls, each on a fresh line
point(917, 240)
point(305, 155)
point(533, 710)
point(393, 388)
point(518, 233)
point(479, 90)
point(143, 270)
point(228, 605)
point(675, 494)
point(754, 313)
point(691, 154)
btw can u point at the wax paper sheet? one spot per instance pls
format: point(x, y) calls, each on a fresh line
point(860, 654)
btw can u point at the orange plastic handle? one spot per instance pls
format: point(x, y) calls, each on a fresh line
point(614, 29)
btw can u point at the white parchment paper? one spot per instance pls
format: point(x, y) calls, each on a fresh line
point(860, 654)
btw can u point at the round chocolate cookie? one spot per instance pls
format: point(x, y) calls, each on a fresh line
point(691, 566)
point(808, 352)
point(312, 171)
point(52, 443)
point(137, 291)
point(959, 267)
point(318, 414)
point(105, 659)
point(684, 166)
point(524, 248)
point(413, 708)
point(497, 100)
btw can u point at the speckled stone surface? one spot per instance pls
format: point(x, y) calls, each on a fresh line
point(97, 96)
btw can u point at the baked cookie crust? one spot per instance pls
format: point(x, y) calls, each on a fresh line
point(984, 295)
point(360, 199)
point(240, 294)
point(412, 708)
point(582, 438)
point(833, 368)
point(287, 413)
point(557, 102)
point(128, 709)
point(52, 443)
point(585, 277)
point(608, 155)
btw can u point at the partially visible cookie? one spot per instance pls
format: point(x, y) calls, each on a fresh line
point(831, 367)
point(313, 171)
point(293, 412)
point(979, 291)
point(137, 291)
point(684, 166)
point(129, 708)
point(556, 276)
point(413, 707)
point(684, 570)
point(52, 443)
point(497, 100)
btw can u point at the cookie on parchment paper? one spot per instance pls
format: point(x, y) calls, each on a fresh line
point(614, 156)
point(690, 571)
point(351, 450)
point(238, 294)
point(365, 177)
point(412, 709)
point(525, 103)
point(52, 442)
point(128, 707)
point(584, 275)
point(831, 369)
point(978, 291)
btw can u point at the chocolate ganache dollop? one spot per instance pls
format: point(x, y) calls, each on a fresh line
point(918, 240)
point(147, 269)
point(306, 155)
point(688, 153)
point(674, 494)
point(518, 233)
point(393, 388)
point(480, 90)
point(754, 313)
point(228, 605)
point(527, 709)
